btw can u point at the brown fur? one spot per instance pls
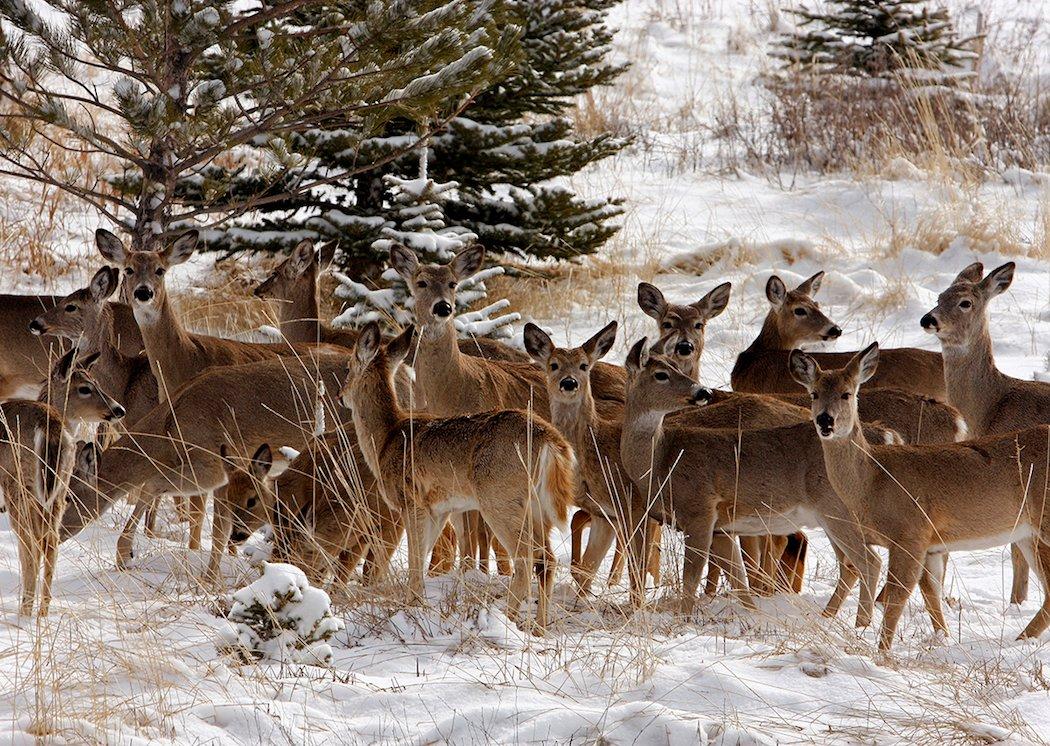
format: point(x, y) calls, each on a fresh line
point(795, 319)
point(682, 328)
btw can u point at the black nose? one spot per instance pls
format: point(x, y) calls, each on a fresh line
point(442, 309)
point(928, 321)
point(701, 396)
point(569, 384)
point(143, 293)
point(684, 348)
point(36, 327)
point(834, 333)
point(825, 422)
point(117, 412)
point(239, 536)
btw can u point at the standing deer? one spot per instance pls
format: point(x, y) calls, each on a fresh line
point(795, 319)
point(72, 391)
point(923, 501)
point(36, 458)
point(516, 469)
point(991, 401)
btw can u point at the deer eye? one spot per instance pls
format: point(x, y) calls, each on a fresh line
point(583, 366)
point(813, 396)
point(84, 390)
point(251, 502)
point(665, 325)
point(70, 308)
point(661, 376)
point(698, 325)
point(160, 271)
point(965, 304)
point(554, 366)
point(845, 396)
point(421, 284)
point(800, 311)
point(452, 286)
point(128, 270)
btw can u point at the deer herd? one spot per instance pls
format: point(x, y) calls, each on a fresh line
point(344, 441)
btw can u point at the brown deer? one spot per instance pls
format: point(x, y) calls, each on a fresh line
point(293, 286)
point(682, 327)
point(747, 482)
point(72, 391)
point(177, 448)
point(325, 509)
point(36, 459)
point(516, 469)
point(795, 319)
point(922, 501)
point(176, 355)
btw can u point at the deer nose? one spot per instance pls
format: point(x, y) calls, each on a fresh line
point(239, 536)
point(442, 309)
point(701, 396)
point(684, 348)
point(825, 423)
point(117, 412)
point(144, 293)
point(833, 333)
point(36, 326)
point(928, 322)
point(569, 384)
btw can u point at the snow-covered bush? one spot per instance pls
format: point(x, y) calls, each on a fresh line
point(281, 617)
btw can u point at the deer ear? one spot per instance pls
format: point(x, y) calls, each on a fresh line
point(303, 255)
point(998, 280)
point(651, 300)
point(804, 369)
point(103, 284)
point(638, 356)
point(326, 253)
point(87, 362)
point(538, 343)
point(865, 362)
point(776, 291)
point(181, 248)
point(368, 343)
point(404, 261)
point(110, 247)
point(714, 302)
point(599, 345)
point(262, 462)
point(87, 458)
point(468, 261)
point(972, 273)
point(811, 286)
point(64, 366)
point(399, 347)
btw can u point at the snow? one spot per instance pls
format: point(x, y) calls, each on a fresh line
point(139, 656)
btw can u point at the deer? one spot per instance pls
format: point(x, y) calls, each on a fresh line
point(72, 391)
point(26, 360)
point(175, 354)
point(682, 327)
point(292, 285)
point(513, 467)
point(923, 501)
point(36, 461)
point(325, 509)
point(745, 482)
point(795, 319)
point(177, 448)
point(990, 401)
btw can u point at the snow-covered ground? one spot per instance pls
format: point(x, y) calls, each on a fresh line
point(133, 657)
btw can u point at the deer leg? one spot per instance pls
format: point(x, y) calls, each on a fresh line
point(848, 575)
point(580, 520)
point(28, 546)
point(655, 536)
point(1019, 587)
point(722, 549)
point(906, 560)
point(50, 555)
point(792, 561)
point(1038, 555)
point(753, 550)
point(126, 541)
point(697, 547)
point(443, 558)
point(151, 520)
point(197, 508)
point(598, 543)
point(546, 563)
point(222, 523)
point(931, 585)
point(855, 557)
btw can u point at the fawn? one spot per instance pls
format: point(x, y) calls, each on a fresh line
point(516, 469)
point(36, 460)
point(73, 392)
point(990, 401)
point(682, 327)
point(922, 501)
point(795, 319)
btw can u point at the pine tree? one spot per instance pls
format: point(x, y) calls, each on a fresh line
point(511, 140)
point(879, 38)
point(200, 103)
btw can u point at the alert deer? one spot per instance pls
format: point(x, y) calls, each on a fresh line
point(36, 459)
point(991, 401)
point(682, 327)
point(747, 482)
point(176, 449)
point(516, 469)
point(325, 509)
point(176, 355)
point(923, 501)
point(293, 286)
point(87, 318)
point(72, 391)
point(795, 319)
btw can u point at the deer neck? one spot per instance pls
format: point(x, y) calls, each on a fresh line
point(849, 463)
point(438, 362)
point(299, 313)
point(575, 421)
point(376, 415)
point(167, 344)
point(642, 443)
point(770, 337)
point(973, 383)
